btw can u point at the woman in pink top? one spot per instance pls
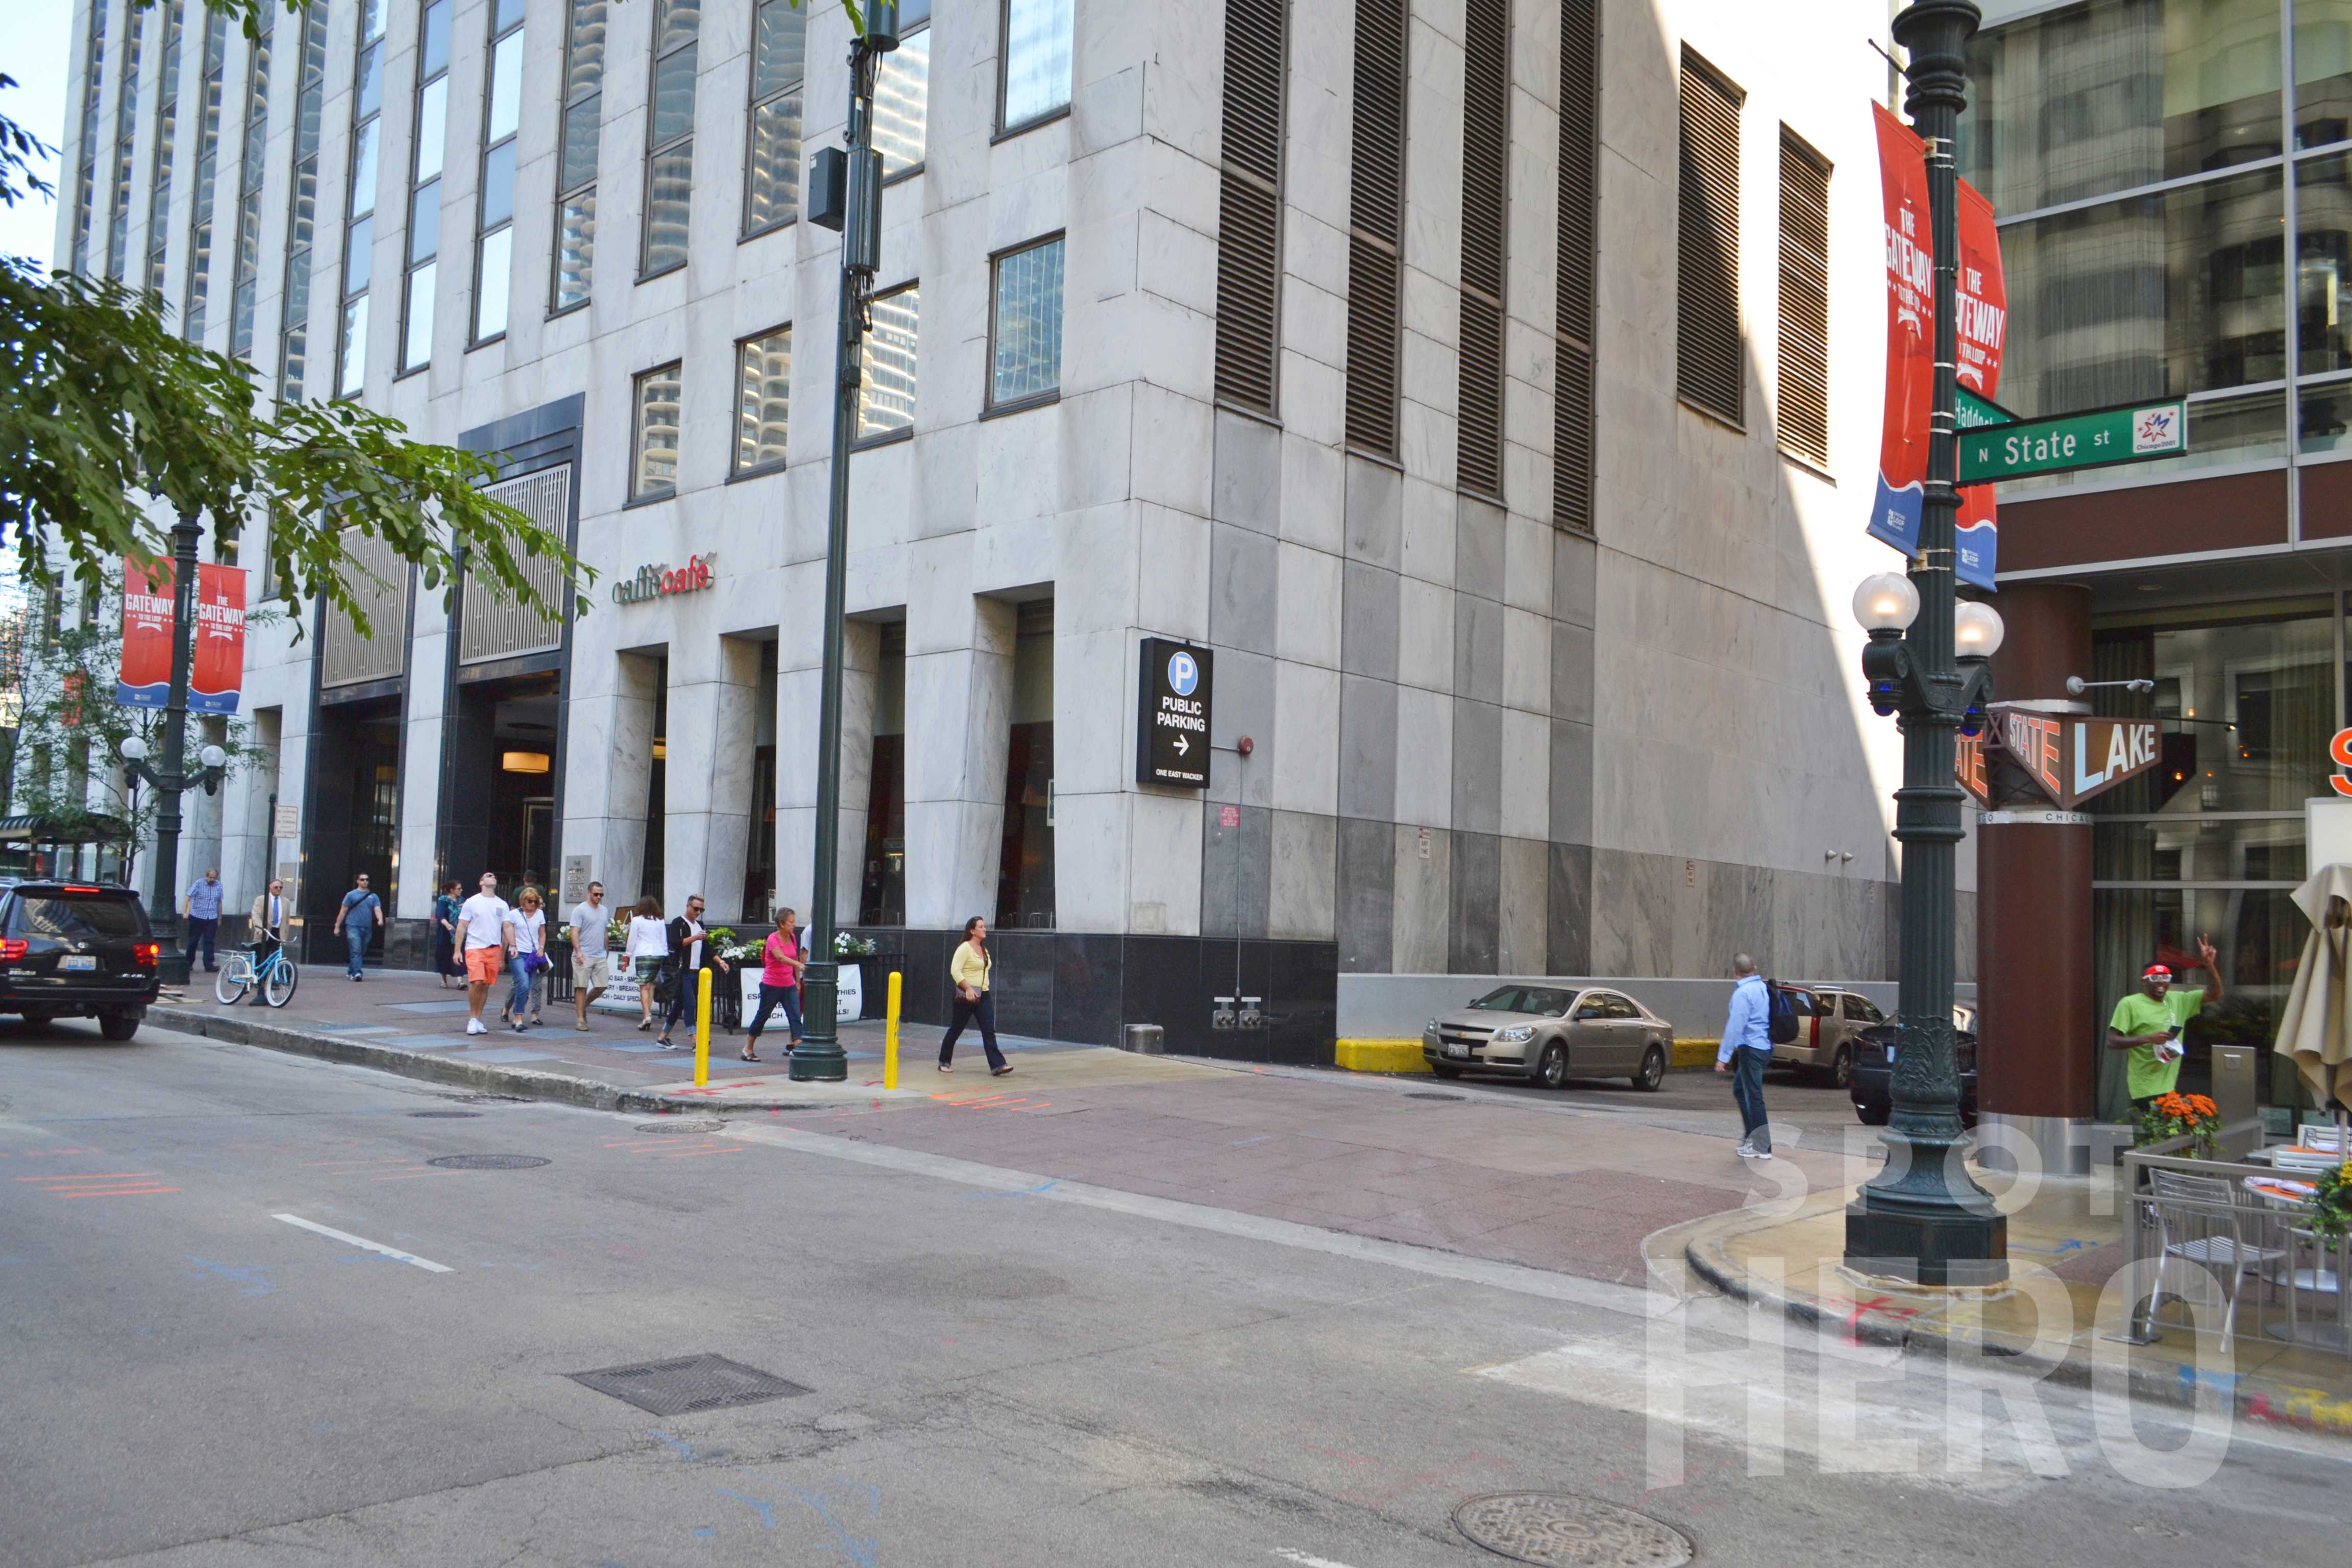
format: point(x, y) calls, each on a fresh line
point(781, 961)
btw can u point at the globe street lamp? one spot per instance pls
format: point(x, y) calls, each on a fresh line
point(168, 778)
point(1923, 1217)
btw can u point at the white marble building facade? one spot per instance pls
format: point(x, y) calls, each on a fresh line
point(1482, 743)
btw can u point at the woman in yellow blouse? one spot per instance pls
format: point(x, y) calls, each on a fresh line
point(968, 971)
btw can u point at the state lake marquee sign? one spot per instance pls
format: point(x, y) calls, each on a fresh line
point(2070, 757)
point(1173, 692)
point(655, 582)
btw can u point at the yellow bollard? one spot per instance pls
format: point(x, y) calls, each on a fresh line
point(701, 1028)
point(890, 1036)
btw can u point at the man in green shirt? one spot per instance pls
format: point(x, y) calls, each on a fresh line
point(2142, 1023)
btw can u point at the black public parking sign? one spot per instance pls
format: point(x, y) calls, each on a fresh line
point(1171, 733)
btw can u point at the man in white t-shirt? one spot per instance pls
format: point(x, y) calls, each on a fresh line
point(484, 939)
point(592, 967)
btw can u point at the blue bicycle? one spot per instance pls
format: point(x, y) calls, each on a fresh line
point(276, 975)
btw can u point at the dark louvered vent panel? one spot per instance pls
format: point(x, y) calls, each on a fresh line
point(1804, 405)
point(1707, 345)
point(1486, 157)
point(1579, 234)
point(1249, 269)
point(1376, 220)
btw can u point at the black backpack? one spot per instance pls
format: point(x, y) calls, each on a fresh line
point(1780, 1013)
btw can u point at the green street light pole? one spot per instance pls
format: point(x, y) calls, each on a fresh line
point(1923, 1217)
point(819, 1057)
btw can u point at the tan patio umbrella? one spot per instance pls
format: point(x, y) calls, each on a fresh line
point(2314, 1029)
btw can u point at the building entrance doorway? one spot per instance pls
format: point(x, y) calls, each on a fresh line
point(354, 818)
point(501, 781)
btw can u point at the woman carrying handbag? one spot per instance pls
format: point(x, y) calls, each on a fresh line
point(968, 971)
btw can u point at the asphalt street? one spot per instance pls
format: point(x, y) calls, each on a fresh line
point(249, 1322)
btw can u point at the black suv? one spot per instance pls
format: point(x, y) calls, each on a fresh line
point(77, 950)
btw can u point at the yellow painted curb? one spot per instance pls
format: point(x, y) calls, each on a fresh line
point(1695, 1054)
point(1379, 1055)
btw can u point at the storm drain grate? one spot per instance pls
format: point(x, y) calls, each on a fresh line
point(1557, 1531)
point(445, 1115)
point(683, 1124)
point(487, 1162)
point(1427, 1096)
point(688, 1384)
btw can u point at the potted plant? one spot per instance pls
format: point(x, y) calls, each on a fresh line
point(2173, 1116)
point(2331, 1201)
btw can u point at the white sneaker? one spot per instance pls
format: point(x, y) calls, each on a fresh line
point(1759, 1153)
point(1746, 1151)
point(474, 1026)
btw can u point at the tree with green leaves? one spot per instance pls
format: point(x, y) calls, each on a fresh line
point(105, 413)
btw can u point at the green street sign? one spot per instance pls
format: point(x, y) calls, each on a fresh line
point(2072, 441)
point(1976, 412)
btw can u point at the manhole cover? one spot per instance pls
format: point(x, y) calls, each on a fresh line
point(683, 1124)
point(1427, 1096)
point(1561, 1532)
point(688, 1384)
point(445, 1115)
point(487, 1162)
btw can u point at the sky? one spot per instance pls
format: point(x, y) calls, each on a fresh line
point(37, 53)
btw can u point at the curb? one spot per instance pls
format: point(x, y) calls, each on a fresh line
point(2252, 1396)
point(480, 1076)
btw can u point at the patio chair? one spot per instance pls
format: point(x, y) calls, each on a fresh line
point(2324, 1277)
point(2207, 1221)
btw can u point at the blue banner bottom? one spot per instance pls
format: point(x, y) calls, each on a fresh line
point(1895, 520)
point(159, 696)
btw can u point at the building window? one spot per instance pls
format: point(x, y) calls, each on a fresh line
point(1025, 325)
point(669, 135)
point(126, 135)
point(1249, 270)
point(200, 206)
point(764, 388)
point(882, 890)
point(246, 278)
point(771, 165)
point(359, 223)
point(167, 122)
point(886, 403)
point(575, 177)
point(501, 118)
point(1707, 369)
point(1579, 223)
point(653, 443)
point(1376, 226)
point(1486, 242)
point(1805, 402)
point(302, 208)
point(93, 82)
point(901, 89)
point(1024, 877)
point(1037, 80)
point(431, 145)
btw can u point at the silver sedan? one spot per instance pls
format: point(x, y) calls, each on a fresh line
point(1550, 1034)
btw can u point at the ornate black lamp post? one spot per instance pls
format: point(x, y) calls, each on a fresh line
point(1924, 1217)
point(855, 174)
point(166, 778)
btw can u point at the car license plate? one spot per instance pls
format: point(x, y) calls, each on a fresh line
point(1455, 1048)
point(77, 961)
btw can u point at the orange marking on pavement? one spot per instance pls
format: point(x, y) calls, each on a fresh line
point(87, 1176)
point(698, 1153)
point(139, 1191)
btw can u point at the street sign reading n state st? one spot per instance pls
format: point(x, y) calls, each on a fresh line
point(1173, 692)
point(2072, 441)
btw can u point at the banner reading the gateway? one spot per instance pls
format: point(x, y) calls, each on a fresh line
point(216, 674)
point(1983, 315)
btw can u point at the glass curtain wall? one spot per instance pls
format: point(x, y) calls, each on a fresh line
point(358, 228)
point(429, 149)
point(167, 123)
point(2211, 842)
point(93, 82)
point(501, 120)
point(302, 208)
point(2155, 163)
point(252, 154)
point(126, 132)
point(200, 207)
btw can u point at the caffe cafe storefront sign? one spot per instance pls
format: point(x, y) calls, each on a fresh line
point(659, 581)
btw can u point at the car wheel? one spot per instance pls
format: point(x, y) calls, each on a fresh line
point(1654, 1070)
point(1873, 1115)
point(1551, 1068)
point(1842, 1067)
point(1444, 1071)
point(118, 1022)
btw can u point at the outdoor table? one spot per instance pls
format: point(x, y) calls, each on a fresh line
point(2290, 1196)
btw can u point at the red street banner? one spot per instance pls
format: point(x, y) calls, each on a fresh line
point(1982, 319)
point(217, 673)
point(146, 677)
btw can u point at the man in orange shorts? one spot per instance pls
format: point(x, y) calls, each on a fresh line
point(484, 937)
